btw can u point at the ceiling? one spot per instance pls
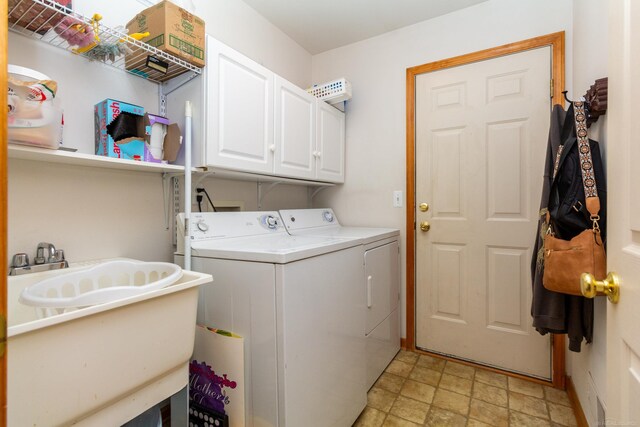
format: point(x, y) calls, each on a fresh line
point(320, 25)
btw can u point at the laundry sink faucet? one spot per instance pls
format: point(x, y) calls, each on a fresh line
point(47, 258)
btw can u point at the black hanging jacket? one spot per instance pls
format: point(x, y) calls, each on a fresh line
point(564, 198)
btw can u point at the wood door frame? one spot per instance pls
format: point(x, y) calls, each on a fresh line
point(556, 42)
point(4, 36)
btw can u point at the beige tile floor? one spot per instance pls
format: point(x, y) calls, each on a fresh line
point(419, 390)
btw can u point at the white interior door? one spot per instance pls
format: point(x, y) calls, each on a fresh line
point(481, 133)
point(623, 216)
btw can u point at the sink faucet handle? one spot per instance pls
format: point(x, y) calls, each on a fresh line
point(40, 258)
point(58, 256)
point(20, 260)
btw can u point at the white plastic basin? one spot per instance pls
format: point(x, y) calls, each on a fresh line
point(99, 365)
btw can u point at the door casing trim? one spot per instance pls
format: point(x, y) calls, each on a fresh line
point(556, 41)
point(4, 43)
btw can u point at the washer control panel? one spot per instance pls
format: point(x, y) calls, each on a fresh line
point(270, 222)
point(215, 225)
point(202, 226)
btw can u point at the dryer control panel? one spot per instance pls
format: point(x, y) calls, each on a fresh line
point(307, 219)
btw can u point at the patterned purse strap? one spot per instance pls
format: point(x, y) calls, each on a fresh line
point(586, 164)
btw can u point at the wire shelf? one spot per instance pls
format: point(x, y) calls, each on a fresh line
point(43, 20)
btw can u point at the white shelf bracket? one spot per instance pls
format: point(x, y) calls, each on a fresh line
point(171, 198)
point(177, 82)
point(165, 199)
point(263, 192)
point(162, 102)
point(175, 184)
point(202, 176)
point(167, 87)
point(312, 192)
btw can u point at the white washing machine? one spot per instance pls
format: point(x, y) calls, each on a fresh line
point(381, 284)
point(297, 303)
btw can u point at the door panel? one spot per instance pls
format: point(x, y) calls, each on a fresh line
point(506, 167)
point(623, 216)
point(446, 155)
point(449, 295)
point(506, 278)
point(481, 131)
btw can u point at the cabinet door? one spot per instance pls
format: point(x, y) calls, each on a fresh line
point(330, 143)
point(295, 131)
point(240, 113)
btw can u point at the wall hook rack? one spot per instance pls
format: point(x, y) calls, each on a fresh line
point(595, 98)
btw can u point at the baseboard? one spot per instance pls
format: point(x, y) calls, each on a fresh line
point(575, 403)
point(403, 343)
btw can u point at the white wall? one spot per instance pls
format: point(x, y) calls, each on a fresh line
point(93, 213)
point(590, 50)
point(376, 69)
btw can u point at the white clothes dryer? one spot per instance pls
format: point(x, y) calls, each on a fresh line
point(381, 284)
point(296, 302)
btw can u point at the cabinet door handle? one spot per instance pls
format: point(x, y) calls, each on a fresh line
point(369, 296)
point(272, 148)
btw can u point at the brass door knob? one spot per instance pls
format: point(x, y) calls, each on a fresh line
point(423, 207)
point(610, 286)
point(425, 226)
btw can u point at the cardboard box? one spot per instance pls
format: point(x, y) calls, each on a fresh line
point(106, 112)
point(135, 147)
point(172, 30)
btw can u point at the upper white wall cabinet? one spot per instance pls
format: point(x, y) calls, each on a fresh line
point(255, 121)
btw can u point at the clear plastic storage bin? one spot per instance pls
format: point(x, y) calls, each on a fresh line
point(37, 123)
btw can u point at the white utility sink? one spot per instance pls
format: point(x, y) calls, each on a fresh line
point(99, 365)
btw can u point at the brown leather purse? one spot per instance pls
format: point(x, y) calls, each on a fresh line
point(566, 260)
